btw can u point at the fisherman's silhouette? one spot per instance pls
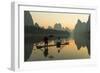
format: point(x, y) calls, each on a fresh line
point(58, 44)
point(46, 40)
point(46, 46)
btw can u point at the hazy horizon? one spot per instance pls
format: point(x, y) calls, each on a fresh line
point(69, 20)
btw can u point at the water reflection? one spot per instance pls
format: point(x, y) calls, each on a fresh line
point(82, 41)
point(60, 48)
point(45, 51)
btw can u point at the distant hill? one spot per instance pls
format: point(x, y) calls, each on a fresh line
point(28, 22)
point(82, 34)
point(57, 26)
point(82, 26)
point(28, 19)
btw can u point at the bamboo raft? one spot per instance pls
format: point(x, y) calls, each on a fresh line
point(41, 46)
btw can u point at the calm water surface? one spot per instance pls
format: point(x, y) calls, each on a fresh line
point(66, 51)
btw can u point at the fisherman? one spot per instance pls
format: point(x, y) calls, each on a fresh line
point(46, 46)
point(58, 42)
point(46, 40)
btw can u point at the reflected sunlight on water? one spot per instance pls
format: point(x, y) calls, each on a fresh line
point(69, 51)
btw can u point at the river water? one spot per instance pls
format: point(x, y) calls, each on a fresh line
point(66, 51)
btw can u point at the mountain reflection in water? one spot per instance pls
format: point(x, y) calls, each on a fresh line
point(73, 50)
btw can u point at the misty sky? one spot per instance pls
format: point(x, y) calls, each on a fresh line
point(69, 20)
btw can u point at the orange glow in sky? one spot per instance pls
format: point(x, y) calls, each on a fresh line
point(69, 20)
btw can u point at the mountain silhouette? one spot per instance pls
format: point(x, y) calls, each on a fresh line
point(82, 34)
point(28, 22)
point(57, 26)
